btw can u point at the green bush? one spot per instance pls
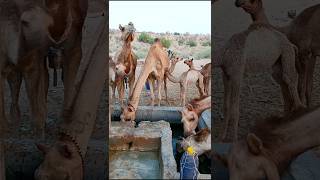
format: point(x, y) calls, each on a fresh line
point(204, 54)
point(165, 42)
point(146, 38)
point(181, 42)
point(176, 33)
point(207, 43)
point(192, 43)
point(141, 54)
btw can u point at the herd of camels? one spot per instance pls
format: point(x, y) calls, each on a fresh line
point(290, 52)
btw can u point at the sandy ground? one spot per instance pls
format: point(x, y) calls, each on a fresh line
point(173, 88)
point(260, 94)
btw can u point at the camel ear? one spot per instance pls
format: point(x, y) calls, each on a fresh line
point(65, 151)
point(43, 148)
point(254, 144)
point(189, 107)
point(121, 28)
point(220, 157)
point(191, 59)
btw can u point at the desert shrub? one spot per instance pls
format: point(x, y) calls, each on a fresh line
point(180, 42)
point(191, 43)
point(165, 42)
point(146, 38)
point(204, 54)
point(142, 53)
point(176, 33)
point(206, 43)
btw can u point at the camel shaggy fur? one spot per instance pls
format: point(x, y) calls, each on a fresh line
point(156, 63)
point(244, 53)
point(186, 78)
point(303, 31)
point(126, 62)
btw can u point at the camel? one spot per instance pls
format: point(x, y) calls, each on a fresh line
point(244, 53)
point(174, 59)
point(191, 113)
point(112, 75)
point(303, 32)
point(200, 142)
point(156, 63)
point(33, 28)
point(188, 77)
point(268, 150)
point(70, 148)
point(206, 72)
point(126, 62)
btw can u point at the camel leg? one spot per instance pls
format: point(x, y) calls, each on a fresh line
point(14, 80)
point(132, 78)
point(3, 120)
point(159, 83)
point(302, 70)
point(290, 76)
point(113, 87)
point(36, 80)
point(183, 94)
point(151, 85)
point(277, 76)
point(166, 90)
point(226, 106)
point(200, 87)
point(309, 79)
point(120, 88)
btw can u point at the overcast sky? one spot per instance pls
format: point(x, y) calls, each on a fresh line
point(162, 16)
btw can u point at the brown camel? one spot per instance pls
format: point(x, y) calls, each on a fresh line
point(200, 142)
point(33, 29)
point(156, 63)
point(191, 113)
point(70, 149)
point(303, 32)
point(126, 62)
point(267, 151)
point(188, 77)
point(206, 72)
point(174, 59)
point(244, 53)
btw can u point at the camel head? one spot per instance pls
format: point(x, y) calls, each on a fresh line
point(173, 57)
point(127, 32)
point(189, 119)
point(61, 161)
point(200, 142)
point(128, 113)
point(250, 6)
point(188, 62)
point(247, 160)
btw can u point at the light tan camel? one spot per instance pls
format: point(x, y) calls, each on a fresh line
point(191, 112)
point(267, 151)
point(206, 72)
point(156, 63)
point(126, 62)
point(303, 31)
point(174, 59)
point(190, 76)
point(200, 142)
point(244, 53)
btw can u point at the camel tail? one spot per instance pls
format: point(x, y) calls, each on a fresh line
point(172, 78)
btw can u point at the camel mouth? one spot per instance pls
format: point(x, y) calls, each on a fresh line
point(130, 37)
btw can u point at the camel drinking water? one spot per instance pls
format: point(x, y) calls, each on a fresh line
point(303, 31)
point(191, 113)
point(156, 63)
point(268, 150)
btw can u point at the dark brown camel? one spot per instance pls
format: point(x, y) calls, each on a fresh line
point(268, 150)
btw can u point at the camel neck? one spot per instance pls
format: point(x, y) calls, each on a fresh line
point(300, 135)
point(203, 105)
point(134, 98)
point(260, 17)
point(173, 65)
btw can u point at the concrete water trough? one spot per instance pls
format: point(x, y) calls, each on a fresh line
point(150, 145)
